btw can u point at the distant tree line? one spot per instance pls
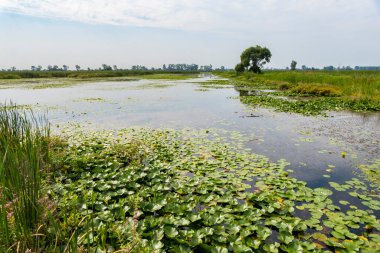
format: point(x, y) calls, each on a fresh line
point(333, 68)
point(251, 61)
point(362, 68)
point(106, 67)
point(367, 68)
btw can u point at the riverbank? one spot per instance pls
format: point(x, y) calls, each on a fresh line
point(311, 92)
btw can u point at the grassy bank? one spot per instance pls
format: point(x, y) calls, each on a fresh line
point(59, 82)
point(348, 84)
point(85, 74)
point(345, 90)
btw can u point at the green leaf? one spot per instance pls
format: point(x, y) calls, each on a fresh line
point(218, 249)
point(343, 202)
point(170, 232)
point(337, 235)
point(182, 249)
point(241, 248)
point(286, 237)
point(264, 233)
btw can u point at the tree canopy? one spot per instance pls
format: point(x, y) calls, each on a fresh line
point(253, 59)
point(293, 65)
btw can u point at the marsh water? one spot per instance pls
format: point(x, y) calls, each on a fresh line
point(309, 144)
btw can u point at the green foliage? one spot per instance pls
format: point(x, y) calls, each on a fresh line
point(293, 65)
point(189, 192)
point(253, 58)
point(141, 190)
point(169, 76)
point(239, 68)
point(372, 171)
point(315, 89)
point(318, 106)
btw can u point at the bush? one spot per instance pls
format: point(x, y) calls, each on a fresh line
point(317, 89)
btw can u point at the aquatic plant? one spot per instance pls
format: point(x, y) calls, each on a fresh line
point(318, 106)
point(24, 154)
point(190, 191)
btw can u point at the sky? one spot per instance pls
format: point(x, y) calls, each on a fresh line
point(155, 32)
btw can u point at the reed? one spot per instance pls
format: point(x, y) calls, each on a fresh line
point(24, 157)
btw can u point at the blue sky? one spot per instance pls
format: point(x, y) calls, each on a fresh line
point(151, 33)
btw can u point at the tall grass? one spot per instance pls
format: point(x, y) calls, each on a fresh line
point(352, 85)
point(24, 155)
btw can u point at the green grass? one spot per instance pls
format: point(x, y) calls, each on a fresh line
point(352, 85)
point(24, 155)
point(328, 91)
point(168, 76)
point(46, 80)
point(84, 74)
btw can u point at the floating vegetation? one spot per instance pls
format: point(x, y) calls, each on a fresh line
point(168, 76)
point(153, 86)
point(91, 100)
point(147, 190)
point(369, 196)
point(46, 83)
point(42, 83)
point(303, 139)
point(215, 81)
point(201, 89)
point(15, 107)
point(372, 171)
point(53, 85)
point(215, 84)
point(318, 106)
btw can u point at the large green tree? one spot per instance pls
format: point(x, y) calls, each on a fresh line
point(254, 58)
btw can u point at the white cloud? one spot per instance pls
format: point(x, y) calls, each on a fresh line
point(190, 14)
point(313, 32)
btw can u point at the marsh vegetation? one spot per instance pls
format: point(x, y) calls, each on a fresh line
point(327, 90)
point(229, 176)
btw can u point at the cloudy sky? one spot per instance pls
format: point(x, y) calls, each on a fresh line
point(151, 33)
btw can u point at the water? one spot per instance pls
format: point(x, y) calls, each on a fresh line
point(310, 144)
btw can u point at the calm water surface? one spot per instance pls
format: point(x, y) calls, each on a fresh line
point(310, 144)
